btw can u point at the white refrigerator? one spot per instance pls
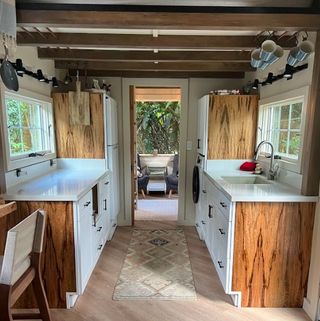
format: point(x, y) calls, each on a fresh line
point(112, 149)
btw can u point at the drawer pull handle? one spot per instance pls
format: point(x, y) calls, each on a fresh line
point(224, 205)
point(106, 183)
point(204, 191)
point(197, 225)
point(203, 222)
point(198, 143)
point(87, 204)
point(210, 211)
point(105, 205)
point(114, 225)
point(220, 265)
point(100, 247)
point(99, 229)
point(222, 232)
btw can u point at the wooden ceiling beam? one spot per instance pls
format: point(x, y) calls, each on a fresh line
point(150, 66)
point(147, 41)
point(157, 74)
point(142, 56)
point(168, 20)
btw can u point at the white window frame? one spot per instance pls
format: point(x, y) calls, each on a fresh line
point(300, 93)
point(19, 161)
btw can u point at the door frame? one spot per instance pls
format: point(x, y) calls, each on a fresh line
point(155, 82)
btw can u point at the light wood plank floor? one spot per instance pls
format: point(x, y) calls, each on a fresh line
point(212, 304)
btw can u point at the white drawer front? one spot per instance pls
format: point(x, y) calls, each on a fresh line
point(85, 203)
point(222, 202)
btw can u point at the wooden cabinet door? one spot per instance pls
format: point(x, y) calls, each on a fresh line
point(232, 126)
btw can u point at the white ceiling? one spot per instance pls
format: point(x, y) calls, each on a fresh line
point(227, 3)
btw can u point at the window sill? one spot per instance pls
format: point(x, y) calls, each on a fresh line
point(294, 166)
point(23, 162)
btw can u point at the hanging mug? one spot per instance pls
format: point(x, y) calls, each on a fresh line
point(292, 58)
point(278, 53)
point(255, 58)
point(268, 47)
point(305, 49)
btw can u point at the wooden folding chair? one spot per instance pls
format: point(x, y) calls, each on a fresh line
point(20, 266)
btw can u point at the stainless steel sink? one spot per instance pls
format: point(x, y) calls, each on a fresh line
point(245, 180)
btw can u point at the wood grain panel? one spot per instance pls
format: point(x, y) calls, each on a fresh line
point(79, 141)
point(232, 126)
point(58, 260)
point(272, 249)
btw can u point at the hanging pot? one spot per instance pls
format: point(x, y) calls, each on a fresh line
point(8, 73)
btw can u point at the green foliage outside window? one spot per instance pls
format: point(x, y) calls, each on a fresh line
point(158, 127)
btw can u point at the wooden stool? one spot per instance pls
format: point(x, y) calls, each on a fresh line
point(20, 266)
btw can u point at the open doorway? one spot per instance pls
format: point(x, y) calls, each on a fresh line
point(157, 131)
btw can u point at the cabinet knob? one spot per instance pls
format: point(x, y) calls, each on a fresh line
point(204, 191)
point(222, 232)
point(114, 225)
point(197, 225)
point(221, 266)
point(87, 204)
point(203, 222)
point(99, 229)
point(223, 204)
point(106, 183)
point(100, 247)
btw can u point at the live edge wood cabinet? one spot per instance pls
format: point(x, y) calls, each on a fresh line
point(79, 141)
point(227, 126)
point(75, 235)
point(261, 250)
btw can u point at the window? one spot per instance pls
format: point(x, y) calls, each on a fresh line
point(28, 130)
point(281, 122)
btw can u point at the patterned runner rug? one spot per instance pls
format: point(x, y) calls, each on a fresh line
point(157, 266)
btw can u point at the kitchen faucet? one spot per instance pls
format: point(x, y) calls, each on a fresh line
point(273, 169)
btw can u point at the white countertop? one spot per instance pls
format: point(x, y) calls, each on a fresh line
point(58, 185)
point(271, 192)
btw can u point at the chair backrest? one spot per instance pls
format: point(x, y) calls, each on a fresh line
point(175, 170)
point(22, 240)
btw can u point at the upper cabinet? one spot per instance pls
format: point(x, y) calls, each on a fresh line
point(79, 141)
point(228, 125)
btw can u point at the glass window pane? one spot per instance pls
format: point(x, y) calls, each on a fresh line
point(13, 114)
point(296, 110)
point(276, 118)
point(16, 147)
point(283, 138)
point(27, 140)
point(284, 118)
point(294, 143)
point(25, 114)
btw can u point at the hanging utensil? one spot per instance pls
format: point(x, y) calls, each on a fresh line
point(8, 73)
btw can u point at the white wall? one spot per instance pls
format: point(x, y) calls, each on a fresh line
point(300, 79)
point(30, 59)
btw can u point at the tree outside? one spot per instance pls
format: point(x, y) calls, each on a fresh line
point(158, 127)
